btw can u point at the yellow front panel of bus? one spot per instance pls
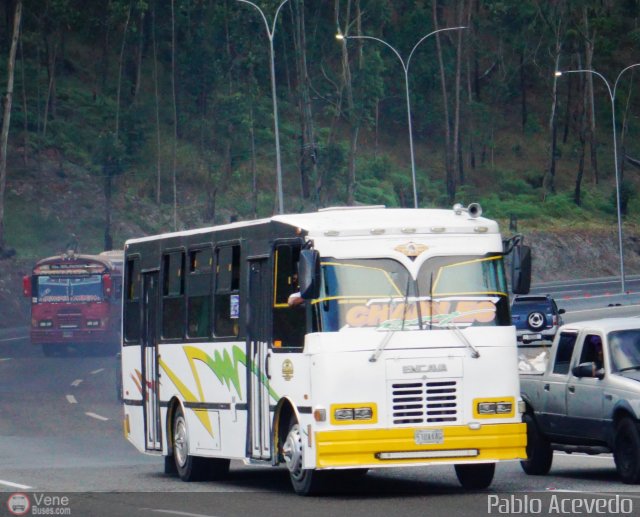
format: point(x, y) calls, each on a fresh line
point(359, 447)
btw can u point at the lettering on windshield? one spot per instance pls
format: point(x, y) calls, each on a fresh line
point(445, 312)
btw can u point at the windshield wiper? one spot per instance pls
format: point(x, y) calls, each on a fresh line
point(387, 337)
point(459, 334)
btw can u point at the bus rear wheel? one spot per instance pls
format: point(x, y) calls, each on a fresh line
point(304, 481)
point(475, 476)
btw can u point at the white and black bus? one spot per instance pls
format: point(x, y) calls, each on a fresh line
point(401, 354)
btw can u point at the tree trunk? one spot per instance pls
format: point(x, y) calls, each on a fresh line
point(120, 67)
point(550, 173)
point(567, 109)
point(471, 113)
point(106, 49)
point(523, 90)
point(582, 135)
point(590, 39)
point(254, 167)
point(307, 161)
point(450, 172)
point(108, 184)
point(174, 147)
point(139, 56)
point(157, 103)
point(25, 108)
point(6, 116)
point(458, 165)
point(50, 101)
point(351, 115)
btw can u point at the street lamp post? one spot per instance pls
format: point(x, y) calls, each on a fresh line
point(270, 33)
point(405, 67)
point(612, 97)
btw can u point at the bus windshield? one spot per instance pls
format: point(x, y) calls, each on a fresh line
point(52, 289)
point(380, 293)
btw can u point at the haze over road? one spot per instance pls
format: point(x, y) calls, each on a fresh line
point(61, 431)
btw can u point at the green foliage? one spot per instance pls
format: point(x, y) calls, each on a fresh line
point(223, 99)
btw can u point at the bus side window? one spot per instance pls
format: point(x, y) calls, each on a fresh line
point(173, 295)
point(132, 321)
point(227, 292)
point(289, 322)
point(199, 293)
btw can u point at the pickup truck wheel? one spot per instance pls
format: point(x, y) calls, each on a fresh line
point(626, 451)
point(539, 452)
point(475, 476)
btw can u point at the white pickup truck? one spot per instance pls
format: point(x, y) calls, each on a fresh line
point(586, 396)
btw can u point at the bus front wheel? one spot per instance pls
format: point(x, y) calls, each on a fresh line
point(475, 476)
point(304, 481)
point(190, 468)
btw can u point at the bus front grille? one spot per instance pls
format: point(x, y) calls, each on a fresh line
point(69, 321)
point(430, 402)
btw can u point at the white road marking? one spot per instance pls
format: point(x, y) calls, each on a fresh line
point(97, 371)
point(14, 485)
point(71, 399)
point(561, 454)
point(175, 512)
point(3, 359)
point(97, 417)
point(13, 339)
point(628, 495)
point(76, 383)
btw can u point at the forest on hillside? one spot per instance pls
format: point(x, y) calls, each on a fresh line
point(160, 98)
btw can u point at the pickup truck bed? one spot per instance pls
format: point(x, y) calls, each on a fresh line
point(586, 396)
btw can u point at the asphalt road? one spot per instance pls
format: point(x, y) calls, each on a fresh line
point(61, 436)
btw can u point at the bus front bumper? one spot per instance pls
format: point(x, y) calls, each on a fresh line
point(72, 336)
point(395, 447)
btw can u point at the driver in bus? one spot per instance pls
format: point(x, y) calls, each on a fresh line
point(295, 299)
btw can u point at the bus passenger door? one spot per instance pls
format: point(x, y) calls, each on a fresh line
point(258, 359)
point(151, 401)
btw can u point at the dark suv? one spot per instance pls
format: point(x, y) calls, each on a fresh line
point(536, 317)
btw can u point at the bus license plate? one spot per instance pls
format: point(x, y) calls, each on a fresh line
point(67, 333)
point(428, 436)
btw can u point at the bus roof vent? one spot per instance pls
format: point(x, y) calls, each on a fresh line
point(359, 207)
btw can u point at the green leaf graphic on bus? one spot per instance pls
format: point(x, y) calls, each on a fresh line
point(223, 364)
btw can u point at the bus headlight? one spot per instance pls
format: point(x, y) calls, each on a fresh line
point(45, 324)
point(494, 407)
point(353, 413)
point(93, 323)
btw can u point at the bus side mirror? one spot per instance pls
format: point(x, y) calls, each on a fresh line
point(107, 285)
point(26, 286)
point(309, 274)
point(521, 269)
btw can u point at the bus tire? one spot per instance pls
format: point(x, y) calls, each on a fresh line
point(304, 481)
point(170, 466)
point(190, 468)
point(626, 451)
point(539, 452)
point(475, 476)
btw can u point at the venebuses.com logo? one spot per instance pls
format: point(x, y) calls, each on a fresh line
point(18, 504)
point(38, 504)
